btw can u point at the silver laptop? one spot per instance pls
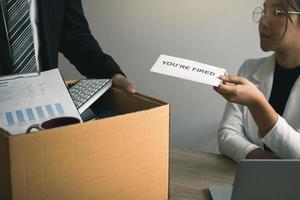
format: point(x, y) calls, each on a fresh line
point(262, 180)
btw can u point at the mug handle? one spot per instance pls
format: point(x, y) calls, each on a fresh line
point(33, 126)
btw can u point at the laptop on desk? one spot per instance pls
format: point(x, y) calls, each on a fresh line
point(262, 180)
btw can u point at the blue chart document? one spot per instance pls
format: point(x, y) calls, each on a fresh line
point(28, 100)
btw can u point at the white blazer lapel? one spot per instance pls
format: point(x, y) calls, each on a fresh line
point(263, 79)
point(264, 76)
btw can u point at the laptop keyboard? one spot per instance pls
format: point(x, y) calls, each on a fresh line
point(86, 91)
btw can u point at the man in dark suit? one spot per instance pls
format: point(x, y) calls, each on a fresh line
point(62, 27)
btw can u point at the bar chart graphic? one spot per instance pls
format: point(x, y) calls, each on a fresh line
point(34, 114)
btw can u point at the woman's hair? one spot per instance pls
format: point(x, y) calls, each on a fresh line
point(289, 5)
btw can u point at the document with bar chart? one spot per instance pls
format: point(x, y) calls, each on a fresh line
point(28, 100)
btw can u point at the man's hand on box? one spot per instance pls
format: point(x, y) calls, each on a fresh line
point(121, 81)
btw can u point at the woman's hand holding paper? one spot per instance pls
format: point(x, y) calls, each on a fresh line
point(239, 90)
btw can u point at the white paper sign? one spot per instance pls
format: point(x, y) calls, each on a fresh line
point(188, 69)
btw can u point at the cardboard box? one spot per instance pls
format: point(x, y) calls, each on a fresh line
point(120, 157)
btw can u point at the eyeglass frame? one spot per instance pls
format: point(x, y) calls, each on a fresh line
point(276, 12)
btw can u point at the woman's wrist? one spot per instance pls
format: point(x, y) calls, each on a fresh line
point(258, 103)
point(264, 115)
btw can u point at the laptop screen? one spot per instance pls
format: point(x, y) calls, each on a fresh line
point(267, 179)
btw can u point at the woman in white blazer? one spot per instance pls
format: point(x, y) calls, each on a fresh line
point(262, 117)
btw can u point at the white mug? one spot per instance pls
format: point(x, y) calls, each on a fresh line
point(54, 122)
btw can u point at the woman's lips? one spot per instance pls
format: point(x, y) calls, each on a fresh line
point(263, 35)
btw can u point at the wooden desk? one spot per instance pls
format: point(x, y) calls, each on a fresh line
point(191, 173)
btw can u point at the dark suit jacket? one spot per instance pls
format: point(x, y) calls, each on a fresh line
point(63, 27)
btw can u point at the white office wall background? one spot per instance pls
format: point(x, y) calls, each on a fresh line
point(216, 32)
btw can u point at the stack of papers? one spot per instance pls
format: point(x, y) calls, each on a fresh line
point(30, 99)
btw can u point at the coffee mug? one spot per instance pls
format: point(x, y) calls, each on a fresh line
point(53, 123)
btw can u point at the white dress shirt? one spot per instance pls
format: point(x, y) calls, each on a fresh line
point(34, 23)
point(238, 132)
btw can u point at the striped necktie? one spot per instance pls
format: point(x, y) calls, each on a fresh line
point(20, 36)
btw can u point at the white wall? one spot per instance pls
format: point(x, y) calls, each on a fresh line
point(216, 32)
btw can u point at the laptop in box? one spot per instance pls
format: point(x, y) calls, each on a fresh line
point(262, 180)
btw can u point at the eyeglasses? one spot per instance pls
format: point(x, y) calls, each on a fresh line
point(259, 12)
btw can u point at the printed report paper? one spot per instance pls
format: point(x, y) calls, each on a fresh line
point(29, 100)
point(188, 69)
